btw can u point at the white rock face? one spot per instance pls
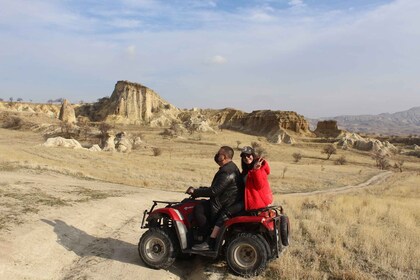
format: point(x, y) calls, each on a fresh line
point(95, 148)
point(353, 140)
point(62, 142)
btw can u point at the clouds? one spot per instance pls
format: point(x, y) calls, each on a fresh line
point(315, 59)
point(296, 3)
point(217, 59)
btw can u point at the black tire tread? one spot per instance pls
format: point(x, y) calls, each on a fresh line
point(255, 241)
point(284, 230)
point(168, 240)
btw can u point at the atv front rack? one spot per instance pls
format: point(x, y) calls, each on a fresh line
point(155, 203)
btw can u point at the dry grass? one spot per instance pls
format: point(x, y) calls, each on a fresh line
point(368, 234)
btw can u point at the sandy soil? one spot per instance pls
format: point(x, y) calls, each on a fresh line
point(94, 239)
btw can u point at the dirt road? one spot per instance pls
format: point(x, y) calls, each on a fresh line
point(58, 227)
point(372, 181)
point(93, 239)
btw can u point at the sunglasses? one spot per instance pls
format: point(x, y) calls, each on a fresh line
point(246, 156)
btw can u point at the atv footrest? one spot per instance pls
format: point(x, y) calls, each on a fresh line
point(207, 253)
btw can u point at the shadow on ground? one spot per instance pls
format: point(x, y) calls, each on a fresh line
point(86, 245)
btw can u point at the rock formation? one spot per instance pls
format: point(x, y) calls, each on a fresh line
point(62, 142)
point(109, 143)
point(135, 104)
point(122, 143)
point(353, 140)
point(327, 128)
point(67, 112)
point(277, 126)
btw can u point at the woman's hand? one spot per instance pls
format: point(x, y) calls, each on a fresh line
point(258, 164)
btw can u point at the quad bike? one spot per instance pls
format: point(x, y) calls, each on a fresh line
point(248, 241)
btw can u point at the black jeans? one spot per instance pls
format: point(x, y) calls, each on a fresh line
point(229, 212)
point(202, 217)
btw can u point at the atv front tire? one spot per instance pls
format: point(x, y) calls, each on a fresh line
point(157, 248)
point(247, 254)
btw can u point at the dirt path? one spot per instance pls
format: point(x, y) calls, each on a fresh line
point(372, 181)
point(90, 238)
point(96, 239)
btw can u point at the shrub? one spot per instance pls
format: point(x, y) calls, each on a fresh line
point(260, 151)
point(297, 156)
point(381, 160)
point(255, 145)
point(157, 151)
point(399, 165)
point(66, 129)
point(329, 150)
point(12, 122)
point(341, 160)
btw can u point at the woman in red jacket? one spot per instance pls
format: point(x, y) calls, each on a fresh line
point(255, 172)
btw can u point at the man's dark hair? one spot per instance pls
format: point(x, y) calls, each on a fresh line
point(227, 151)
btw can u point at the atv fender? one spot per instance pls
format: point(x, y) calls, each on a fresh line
point(178, 223)
point(266, 222)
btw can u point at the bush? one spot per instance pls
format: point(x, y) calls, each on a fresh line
point(297, 157)
point(341, 160)
point(260, 151)
point(329, 150)
point(381, 160)
point(255, 145)
point(66, 129)
point(399, 165)
point(12, 122)
point(157, 151)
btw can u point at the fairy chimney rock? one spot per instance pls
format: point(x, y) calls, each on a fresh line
point(67, 113)
point(135, 103)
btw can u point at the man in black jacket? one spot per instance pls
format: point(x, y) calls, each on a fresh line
point(226, 189)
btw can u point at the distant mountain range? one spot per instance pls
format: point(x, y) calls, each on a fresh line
point(400, 123)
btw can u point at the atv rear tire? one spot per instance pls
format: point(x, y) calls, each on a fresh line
point(157, 248)
point(284, 230)
point(247, 255)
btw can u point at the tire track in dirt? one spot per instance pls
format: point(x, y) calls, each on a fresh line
point(377, 179)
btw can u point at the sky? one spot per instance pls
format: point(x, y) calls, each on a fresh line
point(319, 58)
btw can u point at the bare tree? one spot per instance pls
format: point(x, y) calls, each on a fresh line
point(329, 150)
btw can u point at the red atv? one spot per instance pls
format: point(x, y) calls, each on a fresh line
point(248, 240)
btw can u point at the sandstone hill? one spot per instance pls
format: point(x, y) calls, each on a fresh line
point(277, 126)
point(131, 103)
point(400, 123)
